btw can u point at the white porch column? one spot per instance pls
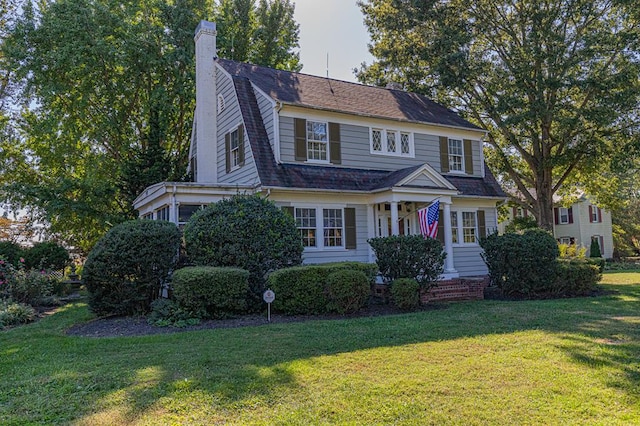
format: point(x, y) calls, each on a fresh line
point(395, 227)
point(448, 240)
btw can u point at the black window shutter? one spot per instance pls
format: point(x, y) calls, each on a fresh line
point(227, 151)
point(556, 216)
point(241, 145)
point(350, 228)
point(570, 210)
point(300, 136)
point(334, 143)
point(444, 154)
point(468, 157)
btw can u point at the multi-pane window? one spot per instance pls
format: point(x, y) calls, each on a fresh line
point(185, 211)
point(454, 227)
point(563, 215)
point(456, 155)
point(163, 213)
point(317, 138)
point(306, 223)
point(405, 144)
point(332, 224)
point(595, 214)
point(391, 142)
point(234, 148)
point(469, 227)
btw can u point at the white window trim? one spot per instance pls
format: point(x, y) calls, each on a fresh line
point(306, 137)
point(398, 134)
point(560, 222)
point(237, 150)
point(595, 211)
point(460, 227)
point(568, 239)
point(463, 169)
point(320, 226)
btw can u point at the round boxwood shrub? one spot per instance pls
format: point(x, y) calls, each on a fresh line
point(247, 232)
point(348, 291)
point(405, 293)
point(46, 255)
point(211, 292)
point(521, 264)
point(128, 267)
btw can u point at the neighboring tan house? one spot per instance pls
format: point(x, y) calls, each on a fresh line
point(348, 161)
point(578, 224)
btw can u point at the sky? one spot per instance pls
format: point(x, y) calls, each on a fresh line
point(333, 27)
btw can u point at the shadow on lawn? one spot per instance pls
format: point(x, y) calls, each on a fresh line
point(214, 371)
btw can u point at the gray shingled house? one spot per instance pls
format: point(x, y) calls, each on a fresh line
point(348, 161)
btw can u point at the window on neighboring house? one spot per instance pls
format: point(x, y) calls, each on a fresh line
point(332, 225)
point(391, 142)
point(456, 155)
point(520, 212)
point(306, 223)
point(469, 227)
point(600, 240)
point(595, 213)
point(317, 140)
point(563, 215)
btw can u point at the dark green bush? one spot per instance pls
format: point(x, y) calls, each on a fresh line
point(11, 252)
point(405, 293)
point(518, 224)
point(576, 278)
point(166, 312)
point(594, 249)
point(46, 255)
point(33, 287)
point(128, 267)
point(12, 313)
point(521, 264)
point(348, 291)
point(409, 256)
point(211, 292)
point(304, 289)
point(300, 289)
point(246, 232)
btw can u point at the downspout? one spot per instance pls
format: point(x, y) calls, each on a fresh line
point(276, 131)
point(174, 205)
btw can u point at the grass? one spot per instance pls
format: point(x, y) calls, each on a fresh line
point(569, 361)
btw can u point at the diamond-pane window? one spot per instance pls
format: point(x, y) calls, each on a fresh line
point(391, 141)
point(404, 143)
point(376, 140)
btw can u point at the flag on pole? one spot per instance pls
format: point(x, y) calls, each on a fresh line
point(428, 218)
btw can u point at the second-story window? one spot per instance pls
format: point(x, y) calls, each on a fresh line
point(456, 155)
point(317, 140)
point(391, 142)
point(564, 215)
point(234, 148)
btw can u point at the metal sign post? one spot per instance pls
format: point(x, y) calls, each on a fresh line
point(269, 296)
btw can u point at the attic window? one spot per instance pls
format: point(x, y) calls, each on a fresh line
point(391, 142)
point(220, 104)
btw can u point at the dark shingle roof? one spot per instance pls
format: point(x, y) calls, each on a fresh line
point(352, 98)
point(303, 176)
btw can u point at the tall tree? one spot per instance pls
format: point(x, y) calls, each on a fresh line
point(555, 82)
point(107, 98)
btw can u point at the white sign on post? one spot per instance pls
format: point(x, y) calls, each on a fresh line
point(269, 296)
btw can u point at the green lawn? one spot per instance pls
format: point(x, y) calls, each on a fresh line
point(572, 361)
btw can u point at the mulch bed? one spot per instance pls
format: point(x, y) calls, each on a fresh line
point(138, 326)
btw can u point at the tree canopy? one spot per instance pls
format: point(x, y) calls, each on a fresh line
point(554, 82)
point(106, 98)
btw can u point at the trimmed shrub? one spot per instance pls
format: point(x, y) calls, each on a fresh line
point(166, 312)
point(11, 252)
point(12, 313)
point(594, 250)
point(521, 264)
point(405, 294)
point(247, 232)
point(300, 289)
point(211, 292)
point(128, 267)
point(599, 262)
point(575, 278)
point(32, 286)
point(46, 255)
point(369, 269)
point(409, 256)
point(348, 291)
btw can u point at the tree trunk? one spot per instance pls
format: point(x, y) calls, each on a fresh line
point(544, 198)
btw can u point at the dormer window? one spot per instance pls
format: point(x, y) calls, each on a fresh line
point(317, 140)
point(234, 148)
point(391, 142)
point(456, 155)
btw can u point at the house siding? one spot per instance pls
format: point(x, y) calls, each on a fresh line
point(467, 260)
point(356, 149)
point(228, 120)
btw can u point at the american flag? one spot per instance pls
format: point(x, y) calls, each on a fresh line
point(428, 218)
